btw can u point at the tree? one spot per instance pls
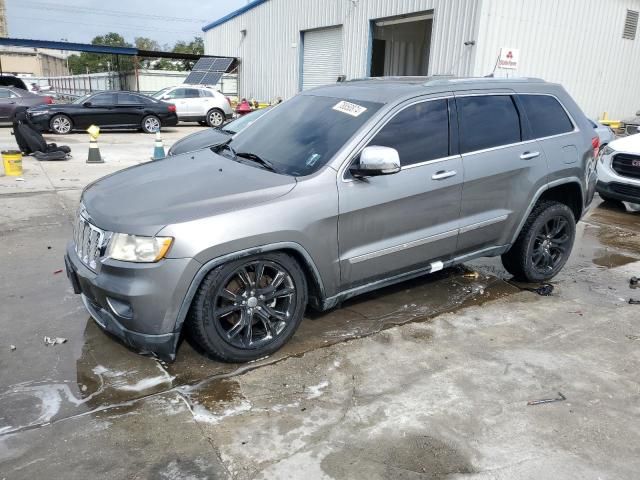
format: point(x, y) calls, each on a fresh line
point(101, 62)
point(144, 43)
point(196, 46)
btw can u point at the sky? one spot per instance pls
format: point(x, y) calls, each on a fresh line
point(165, 21)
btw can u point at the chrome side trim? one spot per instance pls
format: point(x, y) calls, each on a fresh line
point(427, 162)
point(404, 246)
point(332, 301)
point(484, 223)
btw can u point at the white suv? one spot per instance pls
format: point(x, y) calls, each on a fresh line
point(619, 170)
point(196, 103)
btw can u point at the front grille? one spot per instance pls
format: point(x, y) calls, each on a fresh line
point(627, 190)
point(626, 165)
point(89, 241)
point(631, 129)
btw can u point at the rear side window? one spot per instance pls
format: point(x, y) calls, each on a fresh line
point(487, 121)
point(546, 115)
point(129, 99)
point(419, 133)
point(103, 99)
point(206, 93)
point(191, 93)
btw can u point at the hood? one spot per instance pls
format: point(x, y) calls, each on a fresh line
point(196, 141)
point(143, 199)
point(630, 144)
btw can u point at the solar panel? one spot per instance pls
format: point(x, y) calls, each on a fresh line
point(208, 70)
point(211, 78)
point(195, 77)
point(221, 64)
point(204, 64)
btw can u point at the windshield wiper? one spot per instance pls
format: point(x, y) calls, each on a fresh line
point(226, 145)
point(258, 159)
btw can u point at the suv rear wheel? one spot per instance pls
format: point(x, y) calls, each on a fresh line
point(215, 117)
point(544, 244)
point(249, 308)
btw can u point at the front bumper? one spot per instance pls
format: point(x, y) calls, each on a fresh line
point(619, 191)
point(138, 303)
point(613, 185)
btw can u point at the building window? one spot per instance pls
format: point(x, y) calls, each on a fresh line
point(630, 25)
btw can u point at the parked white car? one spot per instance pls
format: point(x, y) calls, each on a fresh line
point(197, 103)
point(619, 170)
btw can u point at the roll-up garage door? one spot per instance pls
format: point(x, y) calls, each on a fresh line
point(322, 62)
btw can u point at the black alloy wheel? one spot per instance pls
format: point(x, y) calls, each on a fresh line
point(551, 244)
point(248, 309)
point(544, 243)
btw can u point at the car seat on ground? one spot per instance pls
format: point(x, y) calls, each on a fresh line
point(31, 142)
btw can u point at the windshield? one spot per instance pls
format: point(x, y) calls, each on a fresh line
point(243, 122)
point(302, 134)
point(160, 93)
point(81, 100)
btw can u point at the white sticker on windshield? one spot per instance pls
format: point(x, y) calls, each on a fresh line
point(349, 108)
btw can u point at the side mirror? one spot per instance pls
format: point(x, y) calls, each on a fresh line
point(376, 161)
point(86, 104)
point(638, 113)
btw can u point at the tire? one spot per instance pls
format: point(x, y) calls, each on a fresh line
point(60, 124)
point(215, 117)
point(150, 124)
point(228, 300)
point(544, 244)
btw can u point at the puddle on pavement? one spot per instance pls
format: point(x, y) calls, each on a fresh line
point(612, 260)
point(393, 455)
point(108, 374)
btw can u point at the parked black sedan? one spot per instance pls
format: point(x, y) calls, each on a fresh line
point(106, 110)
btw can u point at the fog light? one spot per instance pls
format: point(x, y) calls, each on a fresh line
point(120, 308)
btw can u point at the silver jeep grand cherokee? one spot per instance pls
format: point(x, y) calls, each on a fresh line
point(339, 191)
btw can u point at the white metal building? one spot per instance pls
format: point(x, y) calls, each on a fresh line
point(592, 47)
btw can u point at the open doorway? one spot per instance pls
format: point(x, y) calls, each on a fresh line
point(401, 45)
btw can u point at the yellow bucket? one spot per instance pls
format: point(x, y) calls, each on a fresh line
point(12, 161)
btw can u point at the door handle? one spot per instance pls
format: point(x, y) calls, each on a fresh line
point(529, 155)
point(442, 174)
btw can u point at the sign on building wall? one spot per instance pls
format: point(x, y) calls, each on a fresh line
point(509, 58)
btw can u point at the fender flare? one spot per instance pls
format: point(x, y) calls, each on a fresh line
point(215, 262)
point(541, 190)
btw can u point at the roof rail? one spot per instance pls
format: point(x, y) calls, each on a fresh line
point(443, 81)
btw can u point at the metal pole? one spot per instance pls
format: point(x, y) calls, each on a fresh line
point(135, 66)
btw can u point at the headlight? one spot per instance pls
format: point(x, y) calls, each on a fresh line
point(605, 152)
point(38, 112)
point(132, 248)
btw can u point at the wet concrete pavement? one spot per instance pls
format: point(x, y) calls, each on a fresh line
point(427, 379)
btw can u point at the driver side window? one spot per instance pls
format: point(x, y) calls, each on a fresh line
point(419, 132)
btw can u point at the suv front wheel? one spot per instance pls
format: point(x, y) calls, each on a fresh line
point(544, 244)
point(248, 308)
